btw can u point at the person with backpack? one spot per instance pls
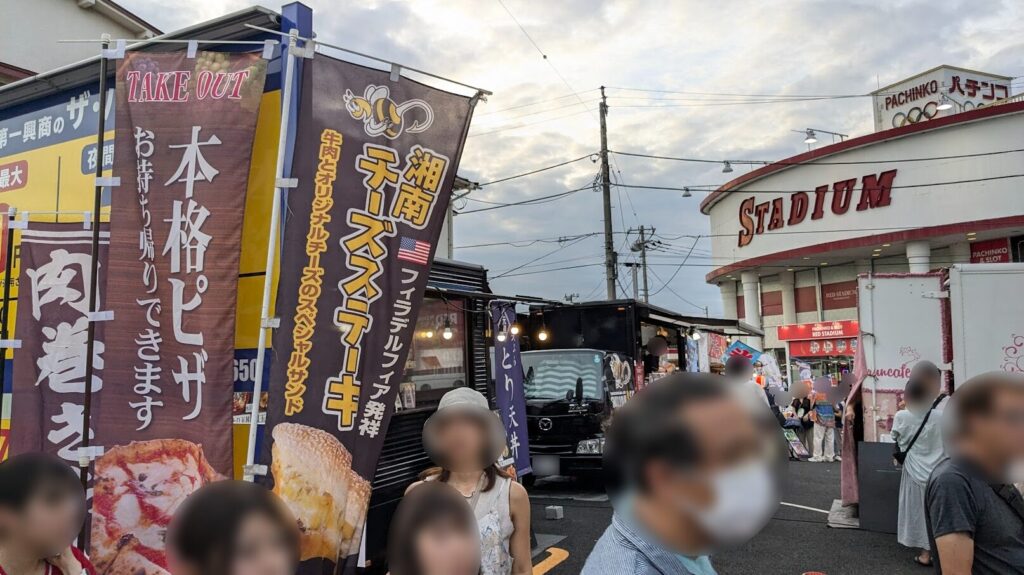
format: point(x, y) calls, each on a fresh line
point(919, 449)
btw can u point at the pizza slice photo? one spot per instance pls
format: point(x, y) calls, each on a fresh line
point(137, 489)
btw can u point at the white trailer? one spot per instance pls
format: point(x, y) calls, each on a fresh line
point(987, 318)
point(901, 323)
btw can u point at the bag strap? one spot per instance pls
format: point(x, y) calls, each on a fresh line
point(1012, 497)
point(924, 422)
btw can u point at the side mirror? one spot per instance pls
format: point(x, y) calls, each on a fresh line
point(568, 396)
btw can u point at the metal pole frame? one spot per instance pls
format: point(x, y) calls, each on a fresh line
point(84, 460)
point(272, 252)
point(5, 311)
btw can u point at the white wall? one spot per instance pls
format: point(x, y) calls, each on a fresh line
point(33, 27)
point(909, 208)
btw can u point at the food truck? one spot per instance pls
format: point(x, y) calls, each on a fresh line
point(587, 359)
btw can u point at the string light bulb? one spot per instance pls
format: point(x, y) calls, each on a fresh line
point(514, 330)
point(542, 335)
point(447, 333)
point(501, 336)
point(726, 167)
point(429, 334)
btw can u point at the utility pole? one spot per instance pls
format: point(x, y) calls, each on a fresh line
point(611, 270)
point(643, 262)
point(636, 282)
point(641, 246)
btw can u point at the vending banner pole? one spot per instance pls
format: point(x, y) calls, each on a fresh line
point(5, 327)
point(281, 183)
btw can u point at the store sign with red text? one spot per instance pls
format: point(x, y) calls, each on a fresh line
point(820, 330)
point(869, 192)
point(991, 252)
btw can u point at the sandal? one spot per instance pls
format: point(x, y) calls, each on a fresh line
point(917, 559)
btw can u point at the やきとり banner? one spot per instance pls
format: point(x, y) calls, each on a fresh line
point(184, 136)
point(375, 162)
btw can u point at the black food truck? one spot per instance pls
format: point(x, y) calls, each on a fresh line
point(585, 360)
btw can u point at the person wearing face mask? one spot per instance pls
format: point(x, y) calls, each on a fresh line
point(464, 438)
point(42, 507)
point(918, 436)
point(233, 528)
point(690, 471)
point(433, 532)
point(975, 515)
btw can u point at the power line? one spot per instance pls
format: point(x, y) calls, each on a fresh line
point(534, 103)
point(813, 162)
point(531, 201)
point(528, 124)
point(675, 293)
point(906, 186)
point(545, 111)
point(537, 171)
point(556, 250)
point(675, 273)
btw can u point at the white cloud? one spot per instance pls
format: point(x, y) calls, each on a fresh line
point(732, 46)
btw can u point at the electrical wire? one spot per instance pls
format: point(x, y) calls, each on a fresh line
point(531, 201)
point(554, 251)
point(674, 292)
point(675, 273)
point(537, 171)
point(906, 186)
point(816, 162)
point(534, 103)
point(528, 124)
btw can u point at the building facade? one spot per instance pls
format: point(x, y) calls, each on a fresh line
point(789, 239)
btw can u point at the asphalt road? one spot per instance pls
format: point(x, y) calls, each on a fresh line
point(796, 541)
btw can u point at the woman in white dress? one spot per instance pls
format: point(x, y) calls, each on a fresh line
point(921, 396)
point(465, 439)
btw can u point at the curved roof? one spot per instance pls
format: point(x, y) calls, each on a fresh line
point(978, 114)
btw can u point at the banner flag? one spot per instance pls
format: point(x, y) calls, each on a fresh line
point(52, 323)
point(510, 395)
point(184, 136)
point(375, 162)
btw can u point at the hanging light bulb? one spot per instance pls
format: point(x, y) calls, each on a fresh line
point(429, 334)
point(695, 335)
point(447, 333)
point(811, 137)
point(944, 103)
point(726, 167)
point(501, 336)
point(686, 193)
point(514, 330)
point(728, 339)
point(542, 335)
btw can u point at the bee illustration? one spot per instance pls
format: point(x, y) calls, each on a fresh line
point(383, 116)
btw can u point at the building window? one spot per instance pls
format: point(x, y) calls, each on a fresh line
point(436, 364)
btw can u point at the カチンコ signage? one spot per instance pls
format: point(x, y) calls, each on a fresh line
point(775, 214)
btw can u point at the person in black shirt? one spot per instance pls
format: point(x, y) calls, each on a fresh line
point(975, 515)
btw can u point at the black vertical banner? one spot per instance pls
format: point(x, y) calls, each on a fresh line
point(376, 162)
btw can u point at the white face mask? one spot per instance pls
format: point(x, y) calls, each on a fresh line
point(745, 497)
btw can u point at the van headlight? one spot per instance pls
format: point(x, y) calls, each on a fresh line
point(590, 447)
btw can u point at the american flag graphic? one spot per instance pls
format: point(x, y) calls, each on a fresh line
point(414, 251)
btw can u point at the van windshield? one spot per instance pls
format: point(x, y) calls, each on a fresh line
point(550, 374)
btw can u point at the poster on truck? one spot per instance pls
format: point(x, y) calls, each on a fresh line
point(375, 161)
point(184, 137)
point(901, 323)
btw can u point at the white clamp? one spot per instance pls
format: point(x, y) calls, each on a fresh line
point(270, 322)
point(286, 182)
point(116, 52)
point(306, 51)
point(10, 344)
point(193, 47)
point(108, 182)
point(87, 454)
point(18, 224)
point(268, 49)
point(86, 220)
point(254, 470)
point(107, 315)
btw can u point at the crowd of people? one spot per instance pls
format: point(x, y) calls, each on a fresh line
point(683, 485)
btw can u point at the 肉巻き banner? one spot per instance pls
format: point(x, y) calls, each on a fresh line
point(52, 323)
point(509, 394)
point(375, 162)
point(185, 129)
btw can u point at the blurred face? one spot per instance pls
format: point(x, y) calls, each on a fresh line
point(461, 439)
point(445, 549)
point(1002, 431)
point(732, 492)
point(262, 548)
point(50, 520)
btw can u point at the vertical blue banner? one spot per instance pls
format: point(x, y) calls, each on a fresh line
point(508, 384)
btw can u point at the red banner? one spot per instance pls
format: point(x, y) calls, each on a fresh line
point(185, 129)
point(839, 295)
point(820, 330)
point(823, 347)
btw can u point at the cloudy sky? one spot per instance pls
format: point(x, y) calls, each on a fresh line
point(693, 78)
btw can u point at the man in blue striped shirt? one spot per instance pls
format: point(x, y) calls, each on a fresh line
point(690, 469)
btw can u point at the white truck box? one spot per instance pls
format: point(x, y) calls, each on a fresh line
point(987, 318)
point(901, 323)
